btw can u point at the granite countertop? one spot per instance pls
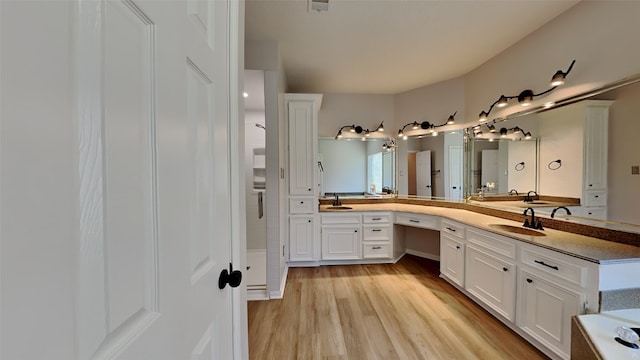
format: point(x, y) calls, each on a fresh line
point(580, 246)
point(601, 330)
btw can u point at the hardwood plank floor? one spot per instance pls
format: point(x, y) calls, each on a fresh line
point(386, 311)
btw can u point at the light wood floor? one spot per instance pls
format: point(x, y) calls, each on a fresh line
point(400, 311)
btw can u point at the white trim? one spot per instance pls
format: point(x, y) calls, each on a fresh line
point(423, 254)
point(257, 294)
point(279, 294)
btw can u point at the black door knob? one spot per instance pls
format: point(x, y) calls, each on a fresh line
point(231, 277)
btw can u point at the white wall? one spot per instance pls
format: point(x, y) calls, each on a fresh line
point(600, 35)
point(359, 109)
point(624, 152)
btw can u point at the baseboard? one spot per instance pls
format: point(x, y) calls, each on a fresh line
point(279, 294)
point(423, 255)
point(257, 294)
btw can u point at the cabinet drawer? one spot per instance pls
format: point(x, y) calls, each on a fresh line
point(493, 242)
point(300, 205)
point(374, 232)
point(452, 228)
point(555, 264)
point(342, 218)
point(373, 218)
point(417, 220)
point(376, 250)
point(595, 198)
point(596, 212)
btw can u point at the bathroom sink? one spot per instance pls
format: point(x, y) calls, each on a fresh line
point(339, 208)
point(538, 202)
point(517, 230)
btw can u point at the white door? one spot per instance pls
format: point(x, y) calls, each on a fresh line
point(116, 184)
point(455, 172)
point(423, 173)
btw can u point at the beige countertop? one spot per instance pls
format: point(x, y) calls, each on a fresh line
point(580, 246)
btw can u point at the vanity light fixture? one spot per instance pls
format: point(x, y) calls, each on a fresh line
point(357, 131)
point(380, 127)
point(425, 125)
point(389, 145)
point(525, 98)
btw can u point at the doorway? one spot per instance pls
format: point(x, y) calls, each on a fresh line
point(256, 184)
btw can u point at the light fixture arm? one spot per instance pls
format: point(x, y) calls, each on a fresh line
point(526, 96)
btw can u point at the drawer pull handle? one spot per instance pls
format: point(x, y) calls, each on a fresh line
point(355, 230)
point(376, 230)
point(596, 196)
point(545, 264)
point(376, 247)
point(450, 229)
point(505, 269)
point(529, 281)
point(414, 221)
point(376, 219)
point(301, 202)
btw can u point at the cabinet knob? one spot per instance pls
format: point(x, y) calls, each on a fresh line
point(309, 220)
point(309, 189)
point(505, 269)
point(457, 246)
point(590, 184)
point(355, 230)
point(529, 281)
point(301, 202)
point(596, 196)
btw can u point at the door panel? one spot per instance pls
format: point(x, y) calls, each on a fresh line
point(423, 173)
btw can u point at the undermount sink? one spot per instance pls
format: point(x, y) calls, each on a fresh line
point(339, 208)
point(538, 202)
point(517, 230)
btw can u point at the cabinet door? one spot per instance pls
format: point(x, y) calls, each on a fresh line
point(492, 280)
point(301, 149)
point(452, 258)
point(341, 243)
point(301, 238)
point(545, 310)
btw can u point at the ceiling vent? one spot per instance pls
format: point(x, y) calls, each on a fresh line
point(318, 5)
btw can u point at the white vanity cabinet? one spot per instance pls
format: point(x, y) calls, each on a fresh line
point(552, 287)
point(302, 115)
point(377, 235)
point(357, 236)
point(302, 235)
point(452, 250)
point(490, 271)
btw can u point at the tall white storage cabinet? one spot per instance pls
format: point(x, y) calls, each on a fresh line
point(302, 115)
point(596, 125)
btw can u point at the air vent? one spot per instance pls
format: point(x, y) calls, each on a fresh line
point(318, 5)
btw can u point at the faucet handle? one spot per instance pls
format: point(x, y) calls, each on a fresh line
point(526, 223)
point(539, 225)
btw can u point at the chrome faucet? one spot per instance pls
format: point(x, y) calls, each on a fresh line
point(528, 198)
point(513, 191)
point(336, 201)
point(553, 212)
point(532, 224)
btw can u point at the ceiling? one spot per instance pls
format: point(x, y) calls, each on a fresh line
point(391, 46)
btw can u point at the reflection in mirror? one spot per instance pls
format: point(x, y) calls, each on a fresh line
point(431, 166)
point(582, 156)
point(502, 167)
point(355, 167)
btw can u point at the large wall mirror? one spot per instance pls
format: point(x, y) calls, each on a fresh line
point(557, 162)
point(355, 167)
